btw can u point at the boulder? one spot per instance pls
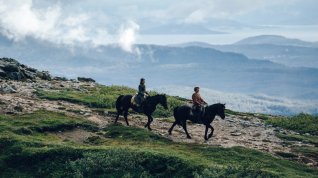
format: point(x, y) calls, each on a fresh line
point(2, 73)
point(60, 78)
point(44, 75)
point(11, 69)
point(5, 88)
point(84, 79)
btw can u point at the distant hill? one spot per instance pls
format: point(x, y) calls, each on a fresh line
point(290, 52)
point(275, 40)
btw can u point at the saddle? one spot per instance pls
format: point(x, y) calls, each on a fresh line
point(137, 101)
point(197, 113)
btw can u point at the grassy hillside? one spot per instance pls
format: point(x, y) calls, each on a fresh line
point(302, 123)
point(307, 128)
point(105, 97)
point(30, 147)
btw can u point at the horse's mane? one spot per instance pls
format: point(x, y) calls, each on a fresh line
point(216, 105)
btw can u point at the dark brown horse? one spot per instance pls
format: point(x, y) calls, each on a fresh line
point(184, 113)
point(123, 104)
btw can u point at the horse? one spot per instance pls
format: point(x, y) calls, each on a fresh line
point(184, 113)
point(123, 103)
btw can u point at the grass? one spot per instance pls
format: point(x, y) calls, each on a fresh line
point(302, 138)
point(41, 121)
point(307, 151)
point(105, 97)
point(302, 123)
point(120, 151)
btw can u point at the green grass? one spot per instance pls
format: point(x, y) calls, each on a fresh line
point(311, 152)
point(120, 151)
point(308, 151)
point(302, 138)
point(302, 123)
point(105, 97)
point(41, 121)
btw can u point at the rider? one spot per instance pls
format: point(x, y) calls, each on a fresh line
point(142, 93)
point(198, 104)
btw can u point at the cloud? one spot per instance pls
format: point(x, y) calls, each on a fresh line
point(247, 103)
point(202, 10)
point(179, 66)
point(198, 16)
point(127, 37)
point(21, 19)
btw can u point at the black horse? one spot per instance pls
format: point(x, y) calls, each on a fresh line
point(123, 104)
point(184, 113)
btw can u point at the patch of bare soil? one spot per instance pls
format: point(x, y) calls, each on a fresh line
point(75, 135)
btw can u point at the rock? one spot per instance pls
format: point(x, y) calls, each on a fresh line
point(60, 79)
point(18, 108)
point(307, 134)
point(257, 124)
point(11, 69)
point(5, 88)
point(87, 114)
point(44, 75)
point(236, 134)
point(245, 123)
point(16, 76)
point(257, 135)
point(2, 73)
point(29, 74)
point(230, 120)
point(84, 79)
point(310, 164)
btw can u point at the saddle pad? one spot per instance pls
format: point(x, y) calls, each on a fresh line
point(133, 99)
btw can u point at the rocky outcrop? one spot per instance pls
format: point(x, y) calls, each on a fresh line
point(84, 79)
point(11, 69)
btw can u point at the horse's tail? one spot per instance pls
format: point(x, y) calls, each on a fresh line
point(118, 103)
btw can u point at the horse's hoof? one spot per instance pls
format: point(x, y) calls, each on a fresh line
point(188, 137)
point(169, 133)
point(146, 125)
point(210, 135)
point(149, 129)
point(206, 139)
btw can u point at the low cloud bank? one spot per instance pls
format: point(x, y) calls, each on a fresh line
point(247, 103)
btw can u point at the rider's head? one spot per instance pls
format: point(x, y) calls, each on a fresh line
point(196, 89)
point(142, 81)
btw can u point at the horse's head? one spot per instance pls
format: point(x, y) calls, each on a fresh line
point(163, 101)
point(220, 110)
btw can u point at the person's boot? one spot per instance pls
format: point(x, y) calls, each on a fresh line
point(140, 108)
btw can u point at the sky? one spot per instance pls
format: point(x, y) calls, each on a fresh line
point(100, 22)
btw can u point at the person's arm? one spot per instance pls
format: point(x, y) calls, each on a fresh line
point(145, 90)
point(202, 100)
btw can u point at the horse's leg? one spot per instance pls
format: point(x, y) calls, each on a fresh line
point(174, 124)
point(184, 125)
point(150, 119)
point(206, 132)
point(118, 113)
point(212, 130)
point(125, 116)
